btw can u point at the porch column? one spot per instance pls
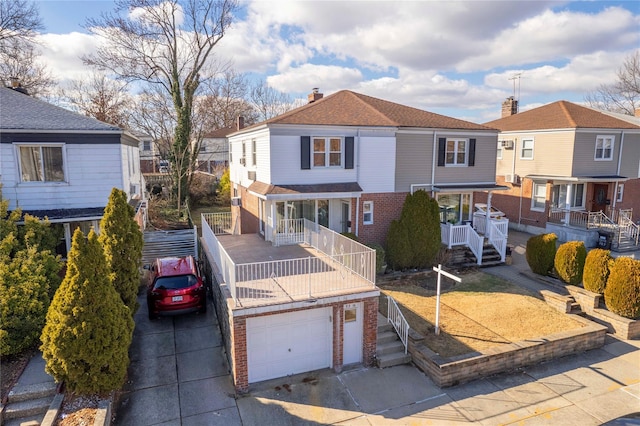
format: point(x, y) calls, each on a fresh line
point(567, 205)
point(488, 216)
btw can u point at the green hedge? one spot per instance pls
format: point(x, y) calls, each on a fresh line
point(541, 253)
point(569, 262)
point(622, 292)
point(596, 270)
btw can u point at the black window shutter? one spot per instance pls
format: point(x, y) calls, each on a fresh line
point(305, 152)
point(472, 152)
point(348, 152)
point(442, 148)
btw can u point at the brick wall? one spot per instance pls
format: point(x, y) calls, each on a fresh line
point(338, 338)
point(249, 213)
point(387, 207)
point(631, 198)
point(370, 335)
point(450, 372)
point(239, 367)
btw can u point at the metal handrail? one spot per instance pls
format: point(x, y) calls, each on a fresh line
point(400, 324)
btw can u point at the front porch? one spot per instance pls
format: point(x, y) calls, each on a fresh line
point(305, 262)
point(474, 236)
point(616, 231)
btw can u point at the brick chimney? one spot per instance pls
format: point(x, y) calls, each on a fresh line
point(240, 122)
point(314, 95)
point(509, 107)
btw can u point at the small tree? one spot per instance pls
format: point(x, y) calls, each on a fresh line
point(414, 241)
point(224, 188)
point(596, 270)
point(569, 261)
point(86, 338)
point(122, 241)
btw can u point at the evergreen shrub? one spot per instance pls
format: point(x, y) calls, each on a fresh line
point(541, 253)
point(88, 330)
point(622, 292)
point(596, 270)
point(569, 261)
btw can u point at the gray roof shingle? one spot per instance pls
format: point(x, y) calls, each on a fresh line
point(22, 112)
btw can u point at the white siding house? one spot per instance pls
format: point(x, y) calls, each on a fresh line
point(61, 165)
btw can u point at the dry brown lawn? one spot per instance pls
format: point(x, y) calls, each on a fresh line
point(482, 311)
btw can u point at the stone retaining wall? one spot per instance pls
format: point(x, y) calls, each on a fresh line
point(452, 371)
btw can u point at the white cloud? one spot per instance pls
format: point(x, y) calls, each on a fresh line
point(62, 52)
point(326, 77)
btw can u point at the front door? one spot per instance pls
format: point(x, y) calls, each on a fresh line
point(352, 345)
point(345, 217)
point(599, 202)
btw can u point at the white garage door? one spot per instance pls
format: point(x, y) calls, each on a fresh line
point(291, 343)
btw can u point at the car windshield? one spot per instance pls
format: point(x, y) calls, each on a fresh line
point(175, 283)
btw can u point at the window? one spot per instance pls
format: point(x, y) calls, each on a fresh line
point(41, 163)
point(620, 192)
point(538, 196)
point(327, 152)
point(526, 151)
point(367, 209)
point(230, 153)
point(499, 151)
point(243, 159)
point(146, 145)
point(604, 148)
point(203, 148)
point(254, 157)
point(456, 154)
point(559, 196)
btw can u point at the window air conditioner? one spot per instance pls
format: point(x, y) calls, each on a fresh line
point(235, 201)
point(507, 144)
point(251, 174)
point(511, 178)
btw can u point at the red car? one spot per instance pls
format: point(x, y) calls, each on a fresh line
point(175, 287)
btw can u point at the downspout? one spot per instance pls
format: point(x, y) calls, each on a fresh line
point(433, 162)
point(358, 180)
point(615, 190)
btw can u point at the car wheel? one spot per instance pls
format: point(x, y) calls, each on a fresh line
point(152, 315)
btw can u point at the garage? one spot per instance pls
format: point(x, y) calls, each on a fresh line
point(290, 343)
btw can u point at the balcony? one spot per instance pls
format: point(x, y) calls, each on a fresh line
point(309, 262)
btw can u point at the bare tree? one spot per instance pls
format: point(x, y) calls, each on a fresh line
point(223, 101)
point(19, 20)
point(269, 102)
point(152, 113)
point(168, 43)
point(19, 60)
point(624, 94)
point(99, 97)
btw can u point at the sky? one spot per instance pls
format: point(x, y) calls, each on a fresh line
point(457, 58)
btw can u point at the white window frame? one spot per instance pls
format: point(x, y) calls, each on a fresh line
point(620, 193)
point(327, 152)
point(42, 145)
point(254, 156)
point(456, 149)
point(146, 145)
point(574, 205)
point(244, 153)
point(523, 148)
point(230, 153)
point(499, 151)
point(603, 141)
point(367, 209)
point(535, 196)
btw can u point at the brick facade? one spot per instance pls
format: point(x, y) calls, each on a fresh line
point(387, 207)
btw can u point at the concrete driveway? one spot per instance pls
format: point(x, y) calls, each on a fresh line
point(179, 376)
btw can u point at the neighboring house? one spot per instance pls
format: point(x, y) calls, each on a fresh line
point(213, 155)
point(57, 164)
point(571, 170)
point(149, 155)
point(294, 295)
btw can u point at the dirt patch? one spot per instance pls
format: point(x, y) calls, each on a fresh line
point(78, 410)
point(481, 312)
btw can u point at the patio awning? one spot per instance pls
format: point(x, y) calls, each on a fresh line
point(603, 178)
point(469, 187)
point(305, 192)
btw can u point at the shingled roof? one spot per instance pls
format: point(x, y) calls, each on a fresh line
point(22, 112)
point(560, 115)
point(347, 108)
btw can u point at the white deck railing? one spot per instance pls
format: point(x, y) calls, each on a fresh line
point(343, 264)
point(395, 317)
point(462, 235)
point(288, 231)
point(220, 223)
point(497, 235)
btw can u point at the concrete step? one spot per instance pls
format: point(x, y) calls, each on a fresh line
point(386, 337)
point(396, 358)
point(34, 391)
point(389, 348)
point(29, 408)
point(384, 326)
point(575, 308)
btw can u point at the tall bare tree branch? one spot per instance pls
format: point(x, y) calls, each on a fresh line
point(623, 95)
point(19, 20)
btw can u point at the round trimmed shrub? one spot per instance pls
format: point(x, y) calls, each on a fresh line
point(569, 261)
point(596, 270)
point(541, 253)
point(622, 292)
